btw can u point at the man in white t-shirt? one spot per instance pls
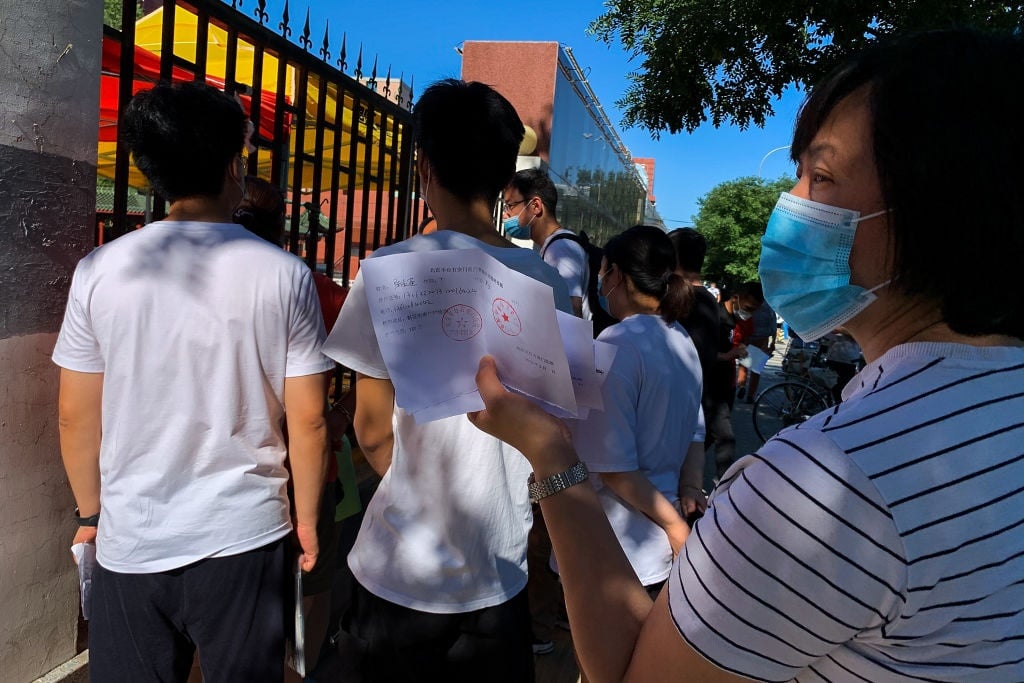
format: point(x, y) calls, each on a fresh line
point(182, 345)
point(440, 559)
point(529, 207)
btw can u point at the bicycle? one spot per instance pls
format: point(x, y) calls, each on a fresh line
point(806, 391)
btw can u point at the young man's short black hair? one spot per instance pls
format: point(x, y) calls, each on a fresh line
point(470, 135)
point(691, 248)
point(182, 137)
point(533, 182)
point(946, 110)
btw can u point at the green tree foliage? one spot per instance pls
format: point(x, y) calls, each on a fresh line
point(732, 218)
point(112, 12)
point(727, 60)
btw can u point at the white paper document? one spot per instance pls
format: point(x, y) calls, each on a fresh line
point(756, 359)
point(437, 313)
point(85, 558)
point(299, 649)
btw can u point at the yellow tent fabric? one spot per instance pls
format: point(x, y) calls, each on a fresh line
point(148, 36)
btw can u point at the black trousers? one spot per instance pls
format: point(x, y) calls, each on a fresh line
point(718, 423)
point(147, 627)
point(381, 642)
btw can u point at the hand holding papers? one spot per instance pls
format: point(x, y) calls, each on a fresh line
point(85, 558)
point(756, 359)
point(437, 313)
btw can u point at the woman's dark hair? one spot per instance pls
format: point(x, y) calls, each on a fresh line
point(946, 110)
point(182, 137)
point(646, 255)
point(261, 211)
point(470, 134)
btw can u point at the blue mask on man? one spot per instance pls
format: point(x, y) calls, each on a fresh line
point(805, 265)
point(515, 229)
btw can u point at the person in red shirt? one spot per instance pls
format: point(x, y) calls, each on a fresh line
point(262, 212)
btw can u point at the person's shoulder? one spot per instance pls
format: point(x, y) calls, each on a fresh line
point(413, 243)
point(434, 241)
point(705, 298)
point(569, 244)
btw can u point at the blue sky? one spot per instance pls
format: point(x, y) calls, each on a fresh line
point(419, 37)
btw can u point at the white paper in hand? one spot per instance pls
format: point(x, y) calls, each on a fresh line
point(437, 313)
point(299, 651)
point(756, 359)
point(85, 558)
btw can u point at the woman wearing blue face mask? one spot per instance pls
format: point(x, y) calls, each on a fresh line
point(882, 540)
point(636, 445)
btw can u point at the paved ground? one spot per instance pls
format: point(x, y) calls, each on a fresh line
point(747, 440)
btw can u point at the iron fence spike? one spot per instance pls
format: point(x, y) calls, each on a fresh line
point(283, 26)
point(325, 51)
point(304, 40)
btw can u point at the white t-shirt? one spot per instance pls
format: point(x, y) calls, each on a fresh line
point(446, 530)
point(651, 415)
point(570, 260)
point(195, 327)
point(881, 540)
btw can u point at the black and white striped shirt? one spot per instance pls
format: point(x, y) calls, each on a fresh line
point(882, 540)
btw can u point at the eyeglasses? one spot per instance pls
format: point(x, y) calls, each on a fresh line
point(508, 206)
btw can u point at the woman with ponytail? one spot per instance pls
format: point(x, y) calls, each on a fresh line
point(636, 445)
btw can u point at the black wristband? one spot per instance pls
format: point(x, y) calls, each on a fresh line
point(91, 520)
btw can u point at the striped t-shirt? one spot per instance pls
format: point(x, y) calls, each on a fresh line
point(882, 540)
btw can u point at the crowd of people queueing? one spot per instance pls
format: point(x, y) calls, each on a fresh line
point(882, 539)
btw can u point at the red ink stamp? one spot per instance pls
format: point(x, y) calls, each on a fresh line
point(461, 322)
point(506, 318)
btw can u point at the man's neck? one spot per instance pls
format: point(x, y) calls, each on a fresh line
point(542, 229)
point(473, 218)
point(201, 209)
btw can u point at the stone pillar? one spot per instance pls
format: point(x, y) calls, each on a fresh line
point(49, 117)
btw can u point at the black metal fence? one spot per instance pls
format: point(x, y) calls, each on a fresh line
point(339, 145)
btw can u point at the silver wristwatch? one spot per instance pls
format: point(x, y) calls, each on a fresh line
point(576, 474)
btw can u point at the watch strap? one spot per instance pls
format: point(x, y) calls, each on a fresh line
point(91, 520)
point(577, 474)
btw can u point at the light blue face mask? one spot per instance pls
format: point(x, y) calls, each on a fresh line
point(602, 299)
point(805, 265)
point(515, 229)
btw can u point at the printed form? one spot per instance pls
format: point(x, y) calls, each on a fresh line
point(437, 313)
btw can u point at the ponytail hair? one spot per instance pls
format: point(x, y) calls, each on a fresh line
point(646, 255)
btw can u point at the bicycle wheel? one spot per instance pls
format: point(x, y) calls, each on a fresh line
point(783, 405)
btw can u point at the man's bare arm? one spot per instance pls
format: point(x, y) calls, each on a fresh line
point(577, 306)
point(304, 402)
point(80, 424)
point(375, 406)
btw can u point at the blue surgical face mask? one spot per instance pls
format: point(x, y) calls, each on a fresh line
point(602, 298)
point(805, 265)
point(515, 229)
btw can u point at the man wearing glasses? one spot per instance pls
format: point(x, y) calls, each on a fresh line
point(529, 213)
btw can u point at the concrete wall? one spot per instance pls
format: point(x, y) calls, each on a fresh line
point(49, 91)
